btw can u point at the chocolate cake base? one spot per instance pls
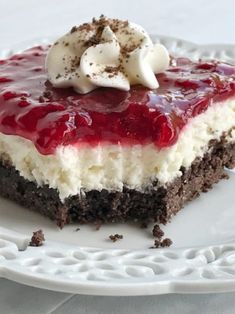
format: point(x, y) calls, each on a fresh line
point(156, 203)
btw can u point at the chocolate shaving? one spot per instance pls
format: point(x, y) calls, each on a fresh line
point(94, 40)
point(113, 70)
point(97, 27)
point(73, 29)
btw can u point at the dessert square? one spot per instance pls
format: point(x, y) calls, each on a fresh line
point(113, 154)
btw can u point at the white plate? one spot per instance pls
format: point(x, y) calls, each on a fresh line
point(202, 258)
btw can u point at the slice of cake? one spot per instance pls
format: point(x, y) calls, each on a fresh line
point(96, 136)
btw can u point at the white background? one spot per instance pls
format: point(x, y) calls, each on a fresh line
point(200, 21)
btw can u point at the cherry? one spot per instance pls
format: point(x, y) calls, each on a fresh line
point(5, 80)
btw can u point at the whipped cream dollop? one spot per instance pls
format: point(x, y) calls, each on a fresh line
point(105, 53)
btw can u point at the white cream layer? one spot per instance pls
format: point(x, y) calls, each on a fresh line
point(111, 167)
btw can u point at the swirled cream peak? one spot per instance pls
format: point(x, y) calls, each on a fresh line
point(105, 53)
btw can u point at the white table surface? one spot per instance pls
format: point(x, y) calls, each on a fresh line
point(199, 21)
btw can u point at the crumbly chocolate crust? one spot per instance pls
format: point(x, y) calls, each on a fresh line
point(156, 203)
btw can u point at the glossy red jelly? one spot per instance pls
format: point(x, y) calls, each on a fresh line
point(30, 107)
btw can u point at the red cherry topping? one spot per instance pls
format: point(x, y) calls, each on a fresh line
point(30, 107)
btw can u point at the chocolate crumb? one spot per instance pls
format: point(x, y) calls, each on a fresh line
point(47, 94)
point(109, 69)
point(73, 29)
point(77, 229)
point(157, 244)
point(158, 232)
point(115, 237)
point(112, 70)
point(41, 99)
point(37, 238)
point(94, 40)
point(166, 242)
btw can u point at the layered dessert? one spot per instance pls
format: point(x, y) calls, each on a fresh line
point(103, 126)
